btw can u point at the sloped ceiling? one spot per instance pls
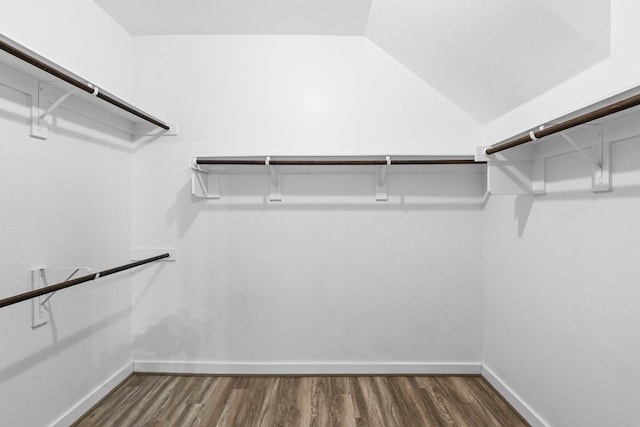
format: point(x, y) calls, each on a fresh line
point(319, 17)
point(486, 56)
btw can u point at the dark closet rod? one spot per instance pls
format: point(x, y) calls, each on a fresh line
point(567, 124)
point(337, 162)
point(53, 288)
point(55, 70)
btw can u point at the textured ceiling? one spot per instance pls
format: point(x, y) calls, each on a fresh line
point(486, 56)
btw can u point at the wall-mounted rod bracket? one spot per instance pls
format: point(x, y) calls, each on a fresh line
point(590, 145)
point(598, 160)
point(69, 277)
point(381, 181)
point(40, 279)
point(57, 103)
point(41, 109)
point(275, 190)
point(40, 291)
point(508, 172)
point(204, 185)
point(582, 153)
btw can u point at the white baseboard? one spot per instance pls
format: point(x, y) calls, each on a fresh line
point(221, 368)
point(527, 413)
point(94, 397)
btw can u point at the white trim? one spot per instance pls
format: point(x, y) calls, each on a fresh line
point(510, 396)
point(229, 368)
point(80, 408)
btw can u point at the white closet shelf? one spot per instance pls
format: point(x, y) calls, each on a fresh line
point(53, 85)
point(206, 170)
point(518, 164)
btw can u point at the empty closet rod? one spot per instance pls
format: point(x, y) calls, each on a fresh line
point(53, 288)
point(567, 124)
point(55, 70)
point(337, 162)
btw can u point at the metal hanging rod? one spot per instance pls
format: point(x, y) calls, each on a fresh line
point(53, 288)
point(55, 70)
point(272, 162)
point(567, 124)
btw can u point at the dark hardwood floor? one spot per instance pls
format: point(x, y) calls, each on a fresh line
point(207, 401)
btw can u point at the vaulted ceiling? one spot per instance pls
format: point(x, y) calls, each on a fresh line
point(486, 56)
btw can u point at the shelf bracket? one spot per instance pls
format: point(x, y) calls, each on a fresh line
point(57, 103)
point(39, 113)
point(538, 181)
point(598, 161)
point(580, 151)
point(40, 310)
point(38, 127)
point(381, 182)
point(275, 190)
point(508, 172)
point(204, 185)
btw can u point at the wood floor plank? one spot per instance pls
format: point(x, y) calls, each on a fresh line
point(372, 401)
point(497, 407)
point(215, 400)
point(433, 393)
point(372, 406)
point(416, 410)
point(269, 407)
point(357, 401)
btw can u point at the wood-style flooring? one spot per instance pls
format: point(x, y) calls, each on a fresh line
point(389, 401)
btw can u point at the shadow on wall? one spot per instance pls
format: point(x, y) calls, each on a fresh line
point(75, 126)
point(170, 337)
point(177, 336)
point(522, 210)
point(181, 213)
point(569, 178)
point(150, 282)
point(58, 345)
point(96, 133)
point(325, 192)
point(34, 359)
point(524, 203)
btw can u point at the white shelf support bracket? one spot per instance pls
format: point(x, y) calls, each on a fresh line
point(598, 161)
point(589, 160)
point(204, 185)
point(39, 114)
point(40, 310)
point(381, 182)
point(509, 172)
point(538, 179)
point(39, 127)
point(601, 178)
point(56, 104)
point(275, 190)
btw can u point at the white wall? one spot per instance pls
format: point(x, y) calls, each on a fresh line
point(77, 35)
point(559, 288)
point(66, 201)
point(381, 283)
point(327, 276)
point(560, 292)
point(615, 74)
point(297, 95)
